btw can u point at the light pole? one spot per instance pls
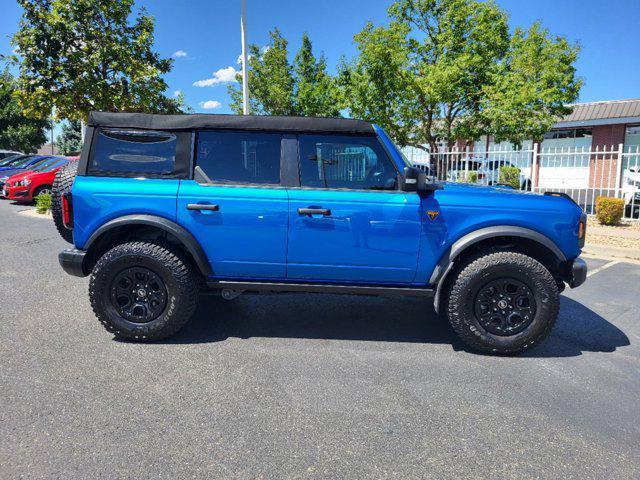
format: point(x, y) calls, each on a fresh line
point(245, 78)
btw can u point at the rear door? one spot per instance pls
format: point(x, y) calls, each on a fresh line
point(235, 205)
point(348, 222)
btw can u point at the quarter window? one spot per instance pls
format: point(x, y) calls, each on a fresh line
point(133, 152)
point(352, 162)
point(239, 157)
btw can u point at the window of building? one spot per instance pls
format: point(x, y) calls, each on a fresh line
point(632, 138)
point(568, 138)
point(239, 157)
point(338, 161)
point(133, 152)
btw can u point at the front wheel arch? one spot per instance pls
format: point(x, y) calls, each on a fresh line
point(498, 238)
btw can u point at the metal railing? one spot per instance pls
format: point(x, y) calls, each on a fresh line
point(583, 173)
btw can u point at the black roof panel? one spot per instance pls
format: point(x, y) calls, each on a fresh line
point(235, 122)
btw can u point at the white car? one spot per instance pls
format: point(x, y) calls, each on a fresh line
point(489, 173)
point(457, 171)
point(631, 191)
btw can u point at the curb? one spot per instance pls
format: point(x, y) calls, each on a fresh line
point(31, 212)
point(612, 252)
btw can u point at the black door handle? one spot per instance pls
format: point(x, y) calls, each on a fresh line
point(314, 211)
point(202, 206)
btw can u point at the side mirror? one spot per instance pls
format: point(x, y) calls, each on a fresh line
point(415, 180)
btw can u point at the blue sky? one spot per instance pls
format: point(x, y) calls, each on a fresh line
point(204, 37)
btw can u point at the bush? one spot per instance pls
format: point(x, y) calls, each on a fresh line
point(43, 203)
point(472, 177)
point(510, 176)
point(609, 210)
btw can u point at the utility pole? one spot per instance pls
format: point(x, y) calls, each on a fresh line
point(245, 78)
point(52, 152)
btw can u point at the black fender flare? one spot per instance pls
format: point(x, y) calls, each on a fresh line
point(445, 264)
point(182, 234)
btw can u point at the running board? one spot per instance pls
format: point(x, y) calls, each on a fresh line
point(320, 288)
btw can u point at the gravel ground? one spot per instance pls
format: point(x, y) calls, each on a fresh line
point(307, 386)
point(625, 235)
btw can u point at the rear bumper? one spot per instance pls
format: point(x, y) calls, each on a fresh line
point(578, 273)
point(72, 261)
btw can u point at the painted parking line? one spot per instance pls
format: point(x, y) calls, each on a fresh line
point(603, 267)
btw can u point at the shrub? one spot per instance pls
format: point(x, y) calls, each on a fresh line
point(609, 210)
point(43, 203)
point(472, 177)
point(510, 176)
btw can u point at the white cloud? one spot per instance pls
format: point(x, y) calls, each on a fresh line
point(210, 104)
point(178, 54)
point(177, 93)
point(224, 75)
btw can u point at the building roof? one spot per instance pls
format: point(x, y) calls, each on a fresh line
point(602, 113)
point(232, 122)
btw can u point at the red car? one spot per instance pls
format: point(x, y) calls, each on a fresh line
point(26, 186)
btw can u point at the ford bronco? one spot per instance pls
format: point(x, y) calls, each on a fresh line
point(164, 207)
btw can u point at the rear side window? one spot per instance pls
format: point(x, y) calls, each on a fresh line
point(239, 157)
point(127, 152)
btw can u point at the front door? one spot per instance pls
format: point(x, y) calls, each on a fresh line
point(235, 206)
point(347, 221)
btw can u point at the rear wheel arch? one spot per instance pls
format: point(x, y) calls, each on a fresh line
point(496, 238)
point(144, 227)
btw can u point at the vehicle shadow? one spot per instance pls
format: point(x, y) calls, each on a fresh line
point(345, 317)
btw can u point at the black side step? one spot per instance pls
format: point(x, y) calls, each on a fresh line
point(321, 288)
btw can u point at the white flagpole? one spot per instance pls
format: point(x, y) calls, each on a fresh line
point(245, 78)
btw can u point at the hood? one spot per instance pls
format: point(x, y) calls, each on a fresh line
point(504, 199)
point(20, 176)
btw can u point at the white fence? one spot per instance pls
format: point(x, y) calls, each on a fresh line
point(584, 174)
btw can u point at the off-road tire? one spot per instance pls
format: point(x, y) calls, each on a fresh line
point(180, 281)
point(467, 280)
point(61, 185)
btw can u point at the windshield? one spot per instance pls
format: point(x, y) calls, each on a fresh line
point(51, 164)
point(10, 161)
point(23, 161)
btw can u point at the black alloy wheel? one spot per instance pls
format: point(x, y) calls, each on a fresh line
point(505, 306)
point(138, 294)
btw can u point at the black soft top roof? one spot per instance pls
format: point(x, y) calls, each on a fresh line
point(235, 122)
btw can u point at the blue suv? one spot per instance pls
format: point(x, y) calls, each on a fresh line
point(164, 207)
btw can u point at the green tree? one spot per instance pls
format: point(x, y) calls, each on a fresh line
point(83, 55)
point(531, 87)
point(448, 69)
point(277, 87)
point(316, 93)
point(17, 131)
point(70, 139)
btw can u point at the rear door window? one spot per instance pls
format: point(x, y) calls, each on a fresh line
point(128, 152)
point(237, 157)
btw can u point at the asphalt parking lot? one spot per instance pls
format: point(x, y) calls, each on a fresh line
point(307, 386)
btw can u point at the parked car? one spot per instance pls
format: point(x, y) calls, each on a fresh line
point(631, 191)
point(26, 186)
point(489, 173)
point(8, 161)
point(458, 170)
point(23, 163)
point(28, 163)
point(163, 206)
point(8, 153)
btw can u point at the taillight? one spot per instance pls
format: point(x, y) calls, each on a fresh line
point(67, 211)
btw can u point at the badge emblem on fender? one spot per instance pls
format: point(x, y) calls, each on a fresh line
point(433, 214)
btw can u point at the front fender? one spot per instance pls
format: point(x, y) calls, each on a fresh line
point(445, 264)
